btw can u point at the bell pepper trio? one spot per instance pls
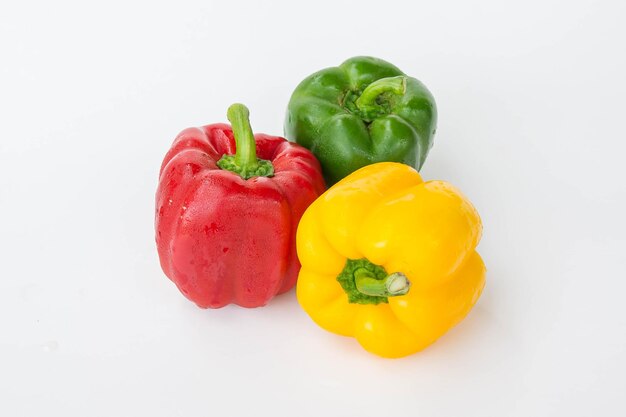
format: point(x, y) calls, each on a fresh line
point(381, 255)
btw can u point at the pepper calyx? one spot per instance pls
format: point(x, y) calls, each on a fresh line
point(368, 283)
point(244, 162)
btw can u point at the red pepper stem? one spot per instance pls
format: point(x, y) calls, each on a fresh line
point(390, 286)
point(239, 118)
point(245, 162)
point(395, 85)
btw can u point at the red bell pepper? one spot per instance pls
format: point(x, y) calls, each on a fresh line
point(225, 219)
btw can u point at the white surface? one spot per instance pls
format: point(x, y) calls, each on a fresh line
point(531, 128)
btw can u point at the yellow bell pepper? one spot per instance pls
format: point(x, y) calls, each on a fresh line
point(389, 259)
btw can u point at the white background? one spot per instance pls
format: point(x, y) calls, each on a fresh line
point(531, 128)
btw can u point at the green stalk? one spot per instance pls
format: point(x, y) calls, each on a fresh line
point(394, 85)
point(392, 285)
point(245, 162)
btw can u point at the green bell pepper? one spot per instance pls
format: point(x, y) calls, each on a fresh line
point(364, 111)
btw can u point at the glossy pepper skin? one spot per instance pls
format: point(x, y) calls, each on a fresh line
point(229, 237)
point(389, 259)
point(363, 111)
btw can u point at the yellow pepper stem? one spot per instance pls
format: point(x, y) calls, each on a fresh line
point(392, 285)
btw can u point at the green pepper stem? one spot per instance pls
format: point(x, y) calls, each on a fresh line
point(245, 162)
point(392, 285)
point(239, 118)
point(395, 85)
